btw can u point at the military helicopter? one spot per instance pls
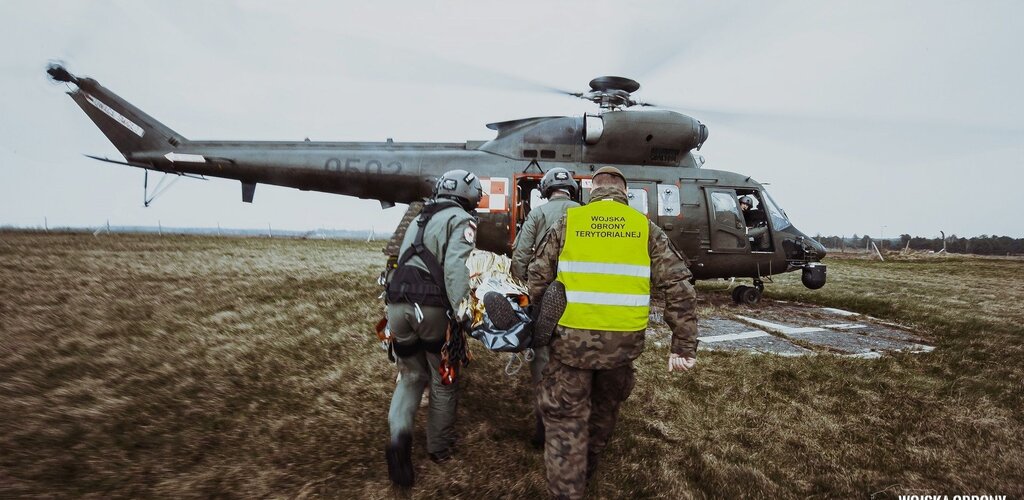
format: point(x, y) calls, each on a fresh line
point(698, 208)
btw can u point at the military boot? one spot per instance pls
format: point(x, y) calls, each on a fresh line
point(538, 432)
point(499, 311)
point(592, 461)
point(549, 311)
point(399, 456)
point(441, 456)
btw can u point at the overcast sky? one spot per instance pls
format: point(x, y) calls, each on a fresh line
point(864, 117)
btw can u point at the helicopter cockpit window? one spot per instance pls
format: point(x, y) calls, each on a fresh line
point(727, 211)
point(779, 218)
point(638, 199)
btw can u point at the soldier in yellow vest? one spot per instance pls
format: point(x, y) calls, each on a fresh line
point(609, 257)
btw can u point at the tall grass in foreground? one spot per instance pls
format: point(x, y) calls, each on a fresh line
point(140, 366)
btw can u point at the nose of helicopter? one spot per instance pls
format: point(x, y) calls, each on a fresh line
point(818, 248)
point(800, 247)
point(807, 253)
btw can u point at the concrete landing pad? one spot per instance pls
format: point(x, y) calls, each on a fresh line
point(789, 329)
point(843, 338)
point(720, 334)
point(805, 316)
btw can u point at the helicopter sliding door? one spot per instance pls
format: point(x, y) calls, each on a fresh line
point(727, 228)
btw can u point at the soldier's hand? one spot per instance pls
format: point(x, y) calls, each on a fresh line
point(677, 363)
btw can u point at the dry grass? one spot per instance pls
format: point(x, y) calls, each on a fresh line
point(140, 366)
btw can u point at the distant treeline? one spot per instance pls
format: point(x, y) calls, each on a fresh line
point(320, 234)
point(979, 245)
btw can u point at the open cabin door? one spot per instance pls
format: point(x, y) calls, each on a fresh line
point(526, 196)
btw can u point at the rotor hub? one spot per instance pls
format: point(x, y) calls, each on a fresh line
point(611, 92)
point(606, 83)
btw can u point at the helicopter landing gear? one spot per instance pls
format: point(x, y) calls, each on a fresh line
point(749, 295)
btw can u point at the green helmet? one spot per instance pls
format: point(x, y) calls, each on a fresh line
point(461, 186)
point(558, 178)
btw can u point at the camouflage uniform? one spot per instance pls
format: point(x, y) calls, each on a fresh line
point(536, 225)
point(591, 373)
point(534, 228)
point(450, 236)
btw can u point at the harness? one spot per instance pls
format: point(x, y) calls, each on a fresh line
point(411, 285)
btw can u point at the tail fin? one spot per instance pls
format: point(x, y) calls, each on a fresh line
point(127, 127)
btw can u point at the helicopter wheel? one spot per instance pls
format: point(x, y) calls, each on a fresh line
point(738, 292)
point(750, 295)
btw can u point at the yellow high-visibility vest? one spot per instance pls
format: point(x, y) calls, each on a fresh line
point(606, 268)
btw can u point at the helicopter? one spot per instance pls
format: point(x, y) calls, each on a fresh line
point(698, 208)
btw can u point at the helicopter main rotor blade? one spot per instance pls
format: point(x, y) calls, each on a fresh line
point(866, 137)
point(417, 64)
point(663, 38)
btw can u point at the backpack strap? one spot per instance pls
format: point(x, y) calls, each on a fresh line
point(434, 267)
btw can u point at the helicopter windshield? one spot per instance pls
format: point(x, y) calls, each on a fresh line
point(779, 218)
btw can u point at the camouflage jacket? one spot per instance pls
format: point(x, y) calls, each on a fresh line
point(593, 349)
point(536, 225)
point(450, 236)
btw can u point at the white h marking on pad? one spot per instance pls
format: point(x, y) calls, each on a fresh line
point(783, 329)
point(844, 326)
point(734, 336)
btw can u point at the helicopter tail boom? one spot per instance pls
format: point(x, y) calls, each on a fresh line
point(130, 129)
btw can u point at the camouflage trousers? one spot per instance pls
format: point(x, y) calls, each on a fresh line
point(540, 360)
point(419, 370)
point(580, 408)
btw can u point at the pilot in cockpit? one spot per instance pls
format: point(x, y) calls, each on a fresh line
point(756, 222)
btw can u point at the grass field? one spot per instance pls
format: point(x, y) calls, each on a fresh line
point(142, 366)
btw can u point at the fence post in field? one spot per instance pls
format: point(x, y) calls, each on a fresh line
point(877, 252)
